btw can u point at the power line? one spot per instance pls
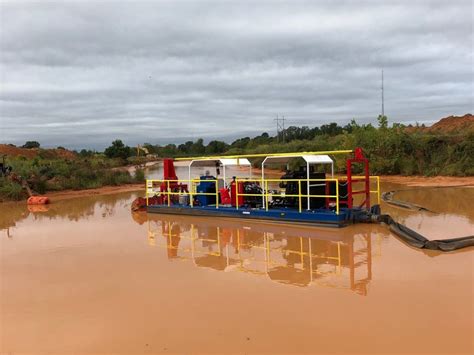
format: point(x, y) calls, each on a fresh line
point(280, 123)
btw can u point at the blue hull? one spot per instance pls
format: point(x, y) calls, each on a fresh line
point(314, 217)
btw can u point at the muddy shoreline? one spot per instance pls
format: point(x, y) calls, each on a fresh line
point(105, 190)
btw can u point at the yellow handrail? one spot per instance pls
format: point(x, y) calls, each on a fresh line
point(151, 182)
point(377, 180)
point(299, 196)
point(263, 155)
point(264, 194)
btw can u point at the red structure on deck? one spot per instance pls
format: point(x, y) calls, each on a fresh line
point(358, 159)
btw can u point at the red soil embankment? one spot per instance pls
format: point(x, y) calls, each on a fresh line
point(447, 125)
point(453, 124)
point(12, 151)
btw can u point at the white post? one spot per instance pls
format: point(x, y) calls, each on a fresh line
point(224, 174)
point(189, 171)
point(332, 169)
point(190, 183)
point(263, 181)
point(307, 184)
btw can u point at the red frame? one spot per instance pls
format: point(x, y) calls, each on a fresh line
point(358, 159)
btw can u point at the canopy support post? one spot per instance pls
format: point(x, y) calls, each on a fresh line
point(307, 185)
point(189, 173)
point(224, 175)
point(263, 181)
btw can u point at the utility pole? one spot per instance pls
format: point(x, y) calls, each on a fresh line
point(280, 122)
point(383, 108)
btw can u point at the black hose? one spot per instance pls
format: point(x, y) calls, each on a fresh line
point(388, 198)
point(410, 236)
point(417, 240)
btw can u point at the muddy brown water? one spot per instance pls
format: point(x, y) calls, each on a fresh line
point(86, 275)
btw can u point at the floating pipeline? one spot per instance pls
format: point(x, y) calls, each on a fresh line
point(388, 198)
point(409, 236)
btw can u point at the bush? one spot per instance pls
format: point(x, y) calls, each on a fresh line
point(117, 178)
point(39, 186)
point(11, 190)
point(139, 175)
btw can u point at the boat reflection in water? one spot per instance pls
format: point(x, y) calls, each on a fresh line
point(290, 255)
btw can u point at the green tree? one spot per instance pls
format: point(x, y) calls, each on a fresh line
point(383, 121)
point(331, 129)
point(198, 147)
point(241, 143)
point(118, 150)
point(31, 144)
point(216, 147)
point(86, 153)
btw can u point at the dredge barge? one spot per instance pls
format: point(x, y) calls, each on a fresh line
point(310, 195)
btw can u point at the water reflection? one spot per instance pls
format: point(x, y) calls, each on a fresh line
point(294, 256)
point(452, 201)
point(73, 210)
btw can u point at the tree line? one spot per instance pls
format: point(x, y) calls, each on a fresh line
point(392, 149)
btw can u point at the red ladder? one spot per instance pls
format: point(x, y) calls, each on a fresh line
point(358, 159)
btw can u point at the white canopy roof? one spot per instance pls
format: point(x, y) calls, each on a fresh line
point(311, 159)
point(223, 162)
point(318, 159)
point(241, 161)
point(308, 158)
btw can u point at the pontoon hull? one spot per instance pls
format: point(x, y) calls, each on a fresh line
point(316, 217)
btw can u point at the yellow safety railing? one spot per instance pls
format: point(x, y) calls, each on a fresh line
point(264, 155)
point(377, 184)
point(150, 190)
point(265, 194)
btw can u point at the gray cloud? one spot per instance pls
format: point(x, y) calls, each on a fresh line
point(80, 74)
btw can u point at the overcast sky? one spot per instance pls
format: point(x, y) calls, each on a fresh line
point(80, 74)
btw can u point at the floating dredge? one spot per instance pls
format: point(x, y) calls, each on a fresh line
point(307, 195)
point(302, 196)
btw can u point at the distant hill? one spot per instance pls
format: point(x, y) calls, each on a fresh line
point(13, 151)
point(453, 124)
point(449, 125)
